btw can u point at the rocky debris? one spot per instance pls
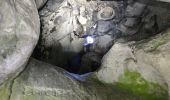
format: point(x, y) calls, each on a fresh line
point(19, 33)
point(134, 14)
point(155, 19)
point(106, 13)
point(41, 81)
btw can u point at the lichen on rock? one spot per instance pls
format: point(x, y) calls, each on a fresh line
point(136, 84)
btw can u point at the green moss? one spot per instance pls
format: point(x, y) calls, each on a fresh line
point(136, 84)
point(153, 43)
point(5, 91)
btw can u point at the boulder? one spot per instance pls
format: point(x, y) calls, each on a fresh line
point(19, 33)
point(156, 52)
point(41, 81)
point(140, 67)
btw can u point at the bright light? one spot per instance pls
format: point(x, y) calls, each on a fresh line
point(89, 40)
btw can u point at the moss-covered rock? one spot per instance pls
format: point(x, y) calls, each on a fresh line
point(41, 81)
point(123, 67)
point(5, 90)
point(136, 84)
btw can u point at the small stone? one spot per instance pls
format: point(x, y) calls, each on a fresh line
point(106, 13)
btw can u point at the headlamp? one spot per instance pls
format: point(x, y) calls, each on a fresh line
point(89, 40)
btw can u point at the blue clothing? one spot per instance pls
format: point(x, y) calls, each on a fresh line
point(77, 76)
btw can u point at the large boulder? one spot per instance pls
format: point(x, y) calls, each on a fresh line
point(41, 81)
point(140, 67)
point(156, 52)
point(19, 33)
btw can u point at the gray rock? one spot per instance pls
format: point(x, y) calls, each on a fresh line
point(156, 53)
point(41, 81)
point(103, 43)
point(136, 9)
point(106, 13)
point(122, 66)
point(52, 5)
point(40, 3)
point(19, 33)
point(104, 26)
point(149, 58)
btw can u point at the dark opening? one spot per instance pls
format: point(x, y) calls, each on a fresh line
point(78, 63)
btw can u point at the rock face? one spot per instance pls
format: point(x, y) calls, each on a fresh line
point(19, 33)
point(156, 53)
point(41, 81)
point(133, 66)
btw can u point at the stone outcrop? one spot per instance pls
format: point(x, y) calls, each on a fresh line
point(19, 33)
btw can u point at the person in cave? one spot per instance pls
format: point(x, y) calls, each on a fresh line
point(112, 24)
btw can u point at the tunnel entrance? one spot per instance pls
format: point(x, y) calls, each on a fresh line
point(84, 62)
point(78, 63)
